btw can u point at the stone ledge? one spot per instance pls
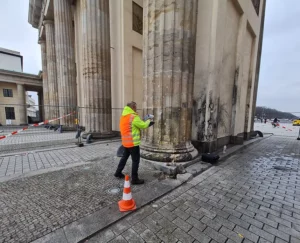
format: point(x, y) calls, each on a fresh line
point(170, 169)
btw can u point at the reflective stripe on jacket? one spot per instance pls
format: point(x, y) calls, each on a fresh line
point(130, 127)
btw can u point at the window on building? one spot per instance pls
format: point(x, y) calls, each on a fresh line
point(256, 4)
point(7, 93)
point(10, 113)
point(137, 18)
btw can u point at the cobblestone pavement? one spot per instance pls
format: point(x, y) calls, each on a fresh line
point(244, 200)
point(32, 138)
point(34, 206)
point(33, 161)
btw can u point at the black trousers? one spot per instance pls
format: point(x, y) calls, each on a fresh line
point(135, 156)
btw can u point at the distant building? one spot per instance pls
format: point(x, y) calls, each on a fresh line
point(31, 106)
point(11, 60)
point(13, 86)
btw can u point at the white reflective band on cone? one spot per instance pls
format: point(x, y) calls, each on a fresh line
point(126, 184)
point(127, 196)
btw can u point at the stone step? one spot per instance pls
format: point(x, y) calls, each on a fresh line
point(198, 168)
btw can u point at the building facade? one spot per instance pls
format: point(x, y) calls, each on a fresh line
point(31, 106)
point(193, 64)
point(14, 85)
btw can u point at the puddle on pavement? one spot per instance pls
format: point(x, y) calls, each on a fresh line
point(113, 191)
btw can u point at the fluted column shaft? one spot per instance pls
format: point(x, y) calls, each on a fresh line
point(169, 59)
point(96, 76)
point(65, 59)
point(22, 104)
point(45, 106)
point(51, 68)
point(41, 106)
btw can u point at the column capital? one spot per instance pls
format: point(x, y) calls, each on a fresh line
point(45, 22)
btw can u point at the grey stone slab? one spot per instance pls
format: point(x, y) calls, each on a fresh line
point(131, 236)
point(167, 236)
point(198, 168)
point(103, 237)
point(149, 236)
point(182, 224)
point(239, 222)
point(252, 221)
point(119, 227)
point(139, 227)
point(119, 239)
point(84, 227)
point(196, 223)
point(200, 236)
point(151, 224)
point(57, 236)
point(182, 236)
point(215, 235)
point(211, 223)
point(263, 233)
point(184, 177)
point(247, 234)
point(287, 230)
point(231, 235)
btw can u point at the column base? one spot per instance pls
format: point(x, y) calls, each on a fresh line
point(161, 154)
point(205, 147)
point(98, 135)
point(238, 139)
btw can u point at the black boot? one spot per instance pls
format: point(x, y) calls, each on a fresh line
point(119, 175)
point(137, 181)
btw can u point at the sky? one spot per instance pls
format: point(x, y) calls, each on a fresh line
point(279, 82)
point(18, 35)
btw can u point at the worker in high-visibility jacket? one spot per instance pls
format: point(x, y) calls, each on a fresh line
point(130, 127)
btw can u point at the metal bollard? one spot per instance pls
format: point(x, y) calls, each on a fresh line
point(299, 135)
point(89, 138)
point(78, 133)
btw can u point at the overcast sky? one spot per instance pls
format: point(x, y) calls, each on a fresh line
point(279, 84)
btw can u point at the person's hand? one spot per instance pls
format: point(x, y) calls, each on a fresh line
point(151, 123)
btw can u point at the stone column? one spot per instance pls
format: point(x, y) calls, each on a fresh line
point(258, 60)
point(169, 60)
point(22, 104)
point(51, 68)
point(41, 106)
point(45, 106)
point(95, 61)
point(65, 59)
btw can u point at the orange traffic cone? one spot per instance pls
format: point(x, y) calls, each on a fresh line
point(127, 203)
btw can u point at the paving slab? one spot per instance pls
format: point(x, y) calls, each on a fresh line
point(246, 198)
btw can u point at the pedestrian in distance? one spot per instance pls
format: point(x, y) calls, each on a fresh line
point(130, 127)
point(275, 122)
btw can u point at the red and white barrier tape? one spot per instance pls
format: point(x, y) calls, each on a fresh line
point(35, 125)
